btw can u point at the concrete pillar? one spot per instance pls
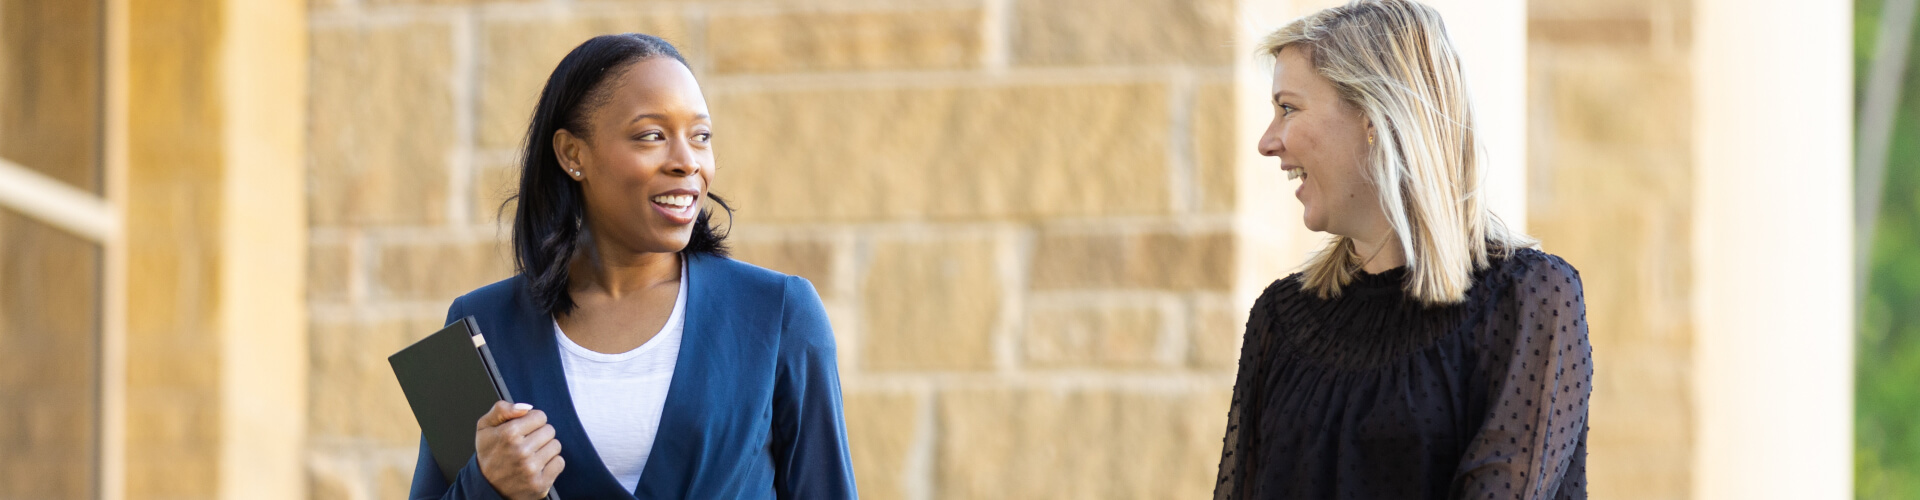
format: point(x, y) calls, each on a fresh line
point(1773, 249)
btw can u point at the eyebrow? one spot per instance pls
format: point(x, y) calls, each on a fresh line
point(659, 116)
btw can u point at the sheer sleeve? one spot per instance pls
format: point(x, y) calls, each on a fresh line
point(1539, 365)
point(1236, 455)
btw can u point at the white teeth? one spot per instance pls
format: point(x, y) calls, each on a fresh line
point(676, 200)
point(1296, 173)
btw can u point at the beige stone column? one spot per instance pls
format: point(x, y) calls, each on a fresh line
point(1773, 249)
point(263, 314)
point(216, 323)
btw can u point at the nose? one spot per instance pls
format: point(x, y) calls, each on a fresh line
point(1270, 143)
point(680, 160)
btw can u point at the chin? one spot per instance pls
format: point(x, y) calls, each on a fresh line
point(673, 241)
point(1314, 224)
point(678, 244)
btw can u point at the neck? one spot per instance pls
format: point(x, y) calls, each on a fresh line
point(607, 267)
point(1380, 254)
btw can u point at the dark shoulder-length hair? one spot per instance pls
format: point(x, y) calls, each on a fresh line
point(551, 214)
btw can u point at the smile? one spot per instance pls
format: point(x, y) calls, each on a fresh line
point(680, 206)
point(679, 201)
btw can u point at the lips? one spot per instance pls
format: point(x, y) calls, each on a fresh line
point(679, 206)
point(1294, 173)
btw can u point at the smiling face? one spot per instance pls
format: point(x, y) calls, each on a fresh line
point(645, 161)
point(1321, 140)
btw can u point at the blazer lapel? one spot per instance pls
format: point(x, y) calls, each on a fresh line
point(675, 459)
point(539, 379)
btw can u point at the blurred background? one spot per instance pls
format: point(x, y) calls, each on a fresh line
point(1037, 226)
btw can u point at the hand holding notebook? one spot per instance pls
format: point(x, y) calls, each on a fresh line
point(465, 410)
point(517, 451)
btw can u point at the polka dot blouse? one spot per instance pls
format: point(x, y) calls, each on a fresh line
point(1371, 395)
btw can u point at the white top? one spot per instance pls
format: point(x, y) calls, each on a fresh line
point(618, 397)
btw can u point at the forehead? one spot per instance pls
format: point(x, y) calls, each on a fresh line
point(1293, 71)
point(658, 84)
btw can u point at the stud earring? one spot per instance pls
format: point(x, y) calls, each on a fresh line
point(576, 173)
point(1369, 139)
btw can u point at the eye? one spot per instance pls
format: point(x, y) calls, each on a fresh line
point(649, 136)
point(1287, 109)
point(703, 137)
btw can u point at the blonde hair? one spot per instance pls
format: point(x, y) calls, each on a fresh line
point(1391, 59)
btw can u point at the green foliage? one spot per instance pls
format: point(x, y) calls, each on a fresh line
point(1887, 377)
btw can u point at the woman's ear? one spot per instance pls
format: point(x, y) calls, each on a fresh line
point(568, 149)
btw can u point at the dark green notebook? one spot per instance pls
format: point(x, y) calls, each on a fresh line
point(450, 381)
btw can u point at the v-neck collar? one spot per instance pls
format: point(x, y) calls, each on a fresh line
point(547, 382)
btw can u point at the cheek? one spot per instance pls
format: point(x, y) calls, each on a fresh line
point(1302, 142)
point(708, 168)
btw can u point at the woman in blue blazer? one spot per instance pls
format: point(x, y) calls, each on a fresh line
point(648, 364)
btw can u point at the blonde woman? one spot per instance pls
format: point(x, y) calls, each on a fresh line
point(1428, 351)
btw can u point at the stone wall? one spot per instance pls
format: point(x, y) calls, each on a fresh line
point(1018, 213)
point(1611, 164)
point(1036, 225)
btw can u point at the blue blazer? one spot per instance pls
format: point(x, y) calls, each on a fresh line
point(753, 410)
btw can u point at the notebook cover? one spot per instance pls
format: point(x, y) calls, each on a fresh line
point(448, 380)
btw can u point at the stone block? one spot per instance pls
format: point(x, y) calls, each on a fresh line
point(354, 394)
point(1091, 32)
point(382, 124)
point(519, 53)
point(442, 2)
point(439, 270)
point(1612, 32)
point(931, 305)
point(329, 271)
point(393, 481)
point(177, 420)
point(182, 362)
point(1101, 336)
point(1215, 138)
point(1677, 13)
point(806, 258)
point(1612, 97)
point(991, 152)
point(1133, 260)
point(904, 39)
point(881, 430)
point(493, 188)
point(327, 483)
point(1079, 443)
point(1218, 329)
point(153, 472)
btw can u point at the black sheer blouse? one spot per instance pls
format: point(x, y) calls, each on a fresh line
point(1371, 395)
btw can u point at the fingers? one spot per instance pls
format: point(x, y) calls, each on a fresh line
point(501, 413)
point(547, 450)
point(524, 425)
point(552, 470)
point(540, 436)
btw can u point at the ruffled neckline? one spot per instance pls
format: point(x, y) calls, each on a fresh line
point(1388, 280)
point(1372, 321)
